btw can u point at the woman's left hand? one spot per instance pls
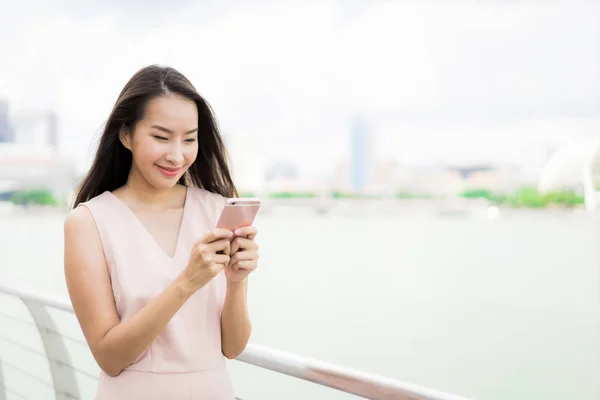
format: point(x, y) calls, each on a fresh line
point(244, 255)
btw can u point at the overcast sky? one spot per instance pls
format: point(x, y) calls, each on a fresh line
point(301, 69)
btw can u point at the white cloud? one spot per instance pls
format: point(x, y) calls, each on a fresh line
point(277, 68)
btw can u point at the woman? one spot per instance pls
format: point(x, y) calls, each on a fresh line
point(160, 294)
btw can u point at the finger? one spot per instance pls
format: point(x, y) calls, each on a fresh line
point(215, 234)
point(246, 231)
point(221, 259)
point(243, 256)
point(216, 268)
point(243, 243)
point(235, 246)
point(222, 245)
point(246, 265)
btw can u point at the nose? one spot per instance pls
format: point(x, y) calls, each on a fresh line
point(175, 155)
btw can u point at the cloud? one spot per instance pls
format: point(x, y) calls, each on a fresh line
point(282, 68)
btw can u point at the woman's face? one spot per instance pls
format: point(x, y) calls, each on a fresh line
point(164, 144)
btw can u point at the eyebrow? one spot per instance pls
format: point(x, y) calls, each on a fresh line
point(162, 128)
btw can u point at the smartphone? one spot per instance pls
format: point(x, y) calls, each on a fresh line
point(238, 212)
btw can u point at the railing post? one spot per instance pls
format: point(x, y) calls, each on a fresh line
point(63, 374)
point(2, 387)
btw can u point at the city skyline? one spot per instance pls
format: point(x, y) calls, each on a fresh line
point(314, 154)
point(355, 169)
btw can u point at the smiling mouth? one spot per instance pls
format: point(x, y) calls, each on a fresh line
point(168, 171)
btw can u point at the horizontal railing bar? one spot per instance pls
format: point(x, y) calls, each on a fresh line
point(49, 301)
point(344, 379)
point(23, 346)
point(55, 332)
point(25, 372)
point(14, 392)
point(44, 355)
point(38, 379)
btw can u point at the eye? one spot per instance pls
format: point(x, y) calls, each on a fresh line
point(190, 140)
point(160, 137)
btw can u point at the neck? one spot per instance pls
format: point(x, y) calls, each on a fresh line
point(143, 193)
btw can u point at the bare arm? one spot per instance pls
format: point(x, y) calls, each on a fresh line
point(235, 323)
point(115, 344)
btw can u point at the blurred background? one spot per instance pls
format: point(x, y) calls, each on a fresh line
point(429, 171)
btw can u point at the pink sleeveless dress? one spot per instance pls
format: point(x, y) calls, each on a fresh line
point(185, 361)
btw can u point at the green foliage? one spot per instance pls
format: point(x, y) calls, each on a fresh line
point(527, 197)
point(292, 195)
point(564, 197)
point(477, 194)
point(342, 195)
point(354, 196)
point(37, 197)
point(497, 198)
point(531, 197)
point(406, 195)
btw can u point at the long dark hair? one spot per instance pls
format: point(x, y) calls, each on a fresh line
point(112, 162)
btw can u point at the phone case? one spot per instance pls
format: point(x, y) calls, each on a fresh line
point(237, 215)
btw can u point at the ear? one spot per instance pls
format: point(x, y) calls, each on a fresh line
point(125, 137)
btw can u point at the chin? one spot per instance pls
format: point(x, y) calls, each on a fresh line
point(160, 182)
point(167, 184)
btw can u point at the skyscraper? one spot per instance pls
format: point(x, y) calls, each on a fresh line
point(53, 130)
point(360, 154)
point(6, 131)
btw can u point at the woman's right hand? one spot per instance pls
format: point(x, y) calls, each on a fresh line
point(209, 256)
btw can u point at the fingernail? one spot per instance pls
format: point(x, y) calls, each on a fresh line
point(238, 231)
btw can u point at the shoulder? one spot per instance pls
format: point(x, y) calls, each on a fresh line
point(85, 214)
point(81, 232)
point(79, 218)
point(84, 234)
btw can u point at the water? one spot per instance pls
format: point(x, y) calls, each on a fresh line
point(490, 309)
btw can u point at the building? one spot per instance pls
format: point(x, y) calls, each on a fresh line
point(6, 130)
point(53, 129)
point(360, 155)
point(26, 167)
point(36, 128)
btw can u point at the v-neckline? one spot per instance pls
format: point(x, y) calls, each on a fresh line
point(147, 232)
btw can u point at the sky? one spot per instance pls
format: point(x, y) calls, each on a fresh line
point(291, 75)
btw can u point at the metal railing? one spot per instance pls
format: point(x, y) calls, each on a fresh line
point(63, 372)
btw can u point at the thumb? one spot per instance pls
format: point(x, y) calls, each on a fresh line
point(234, 247)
